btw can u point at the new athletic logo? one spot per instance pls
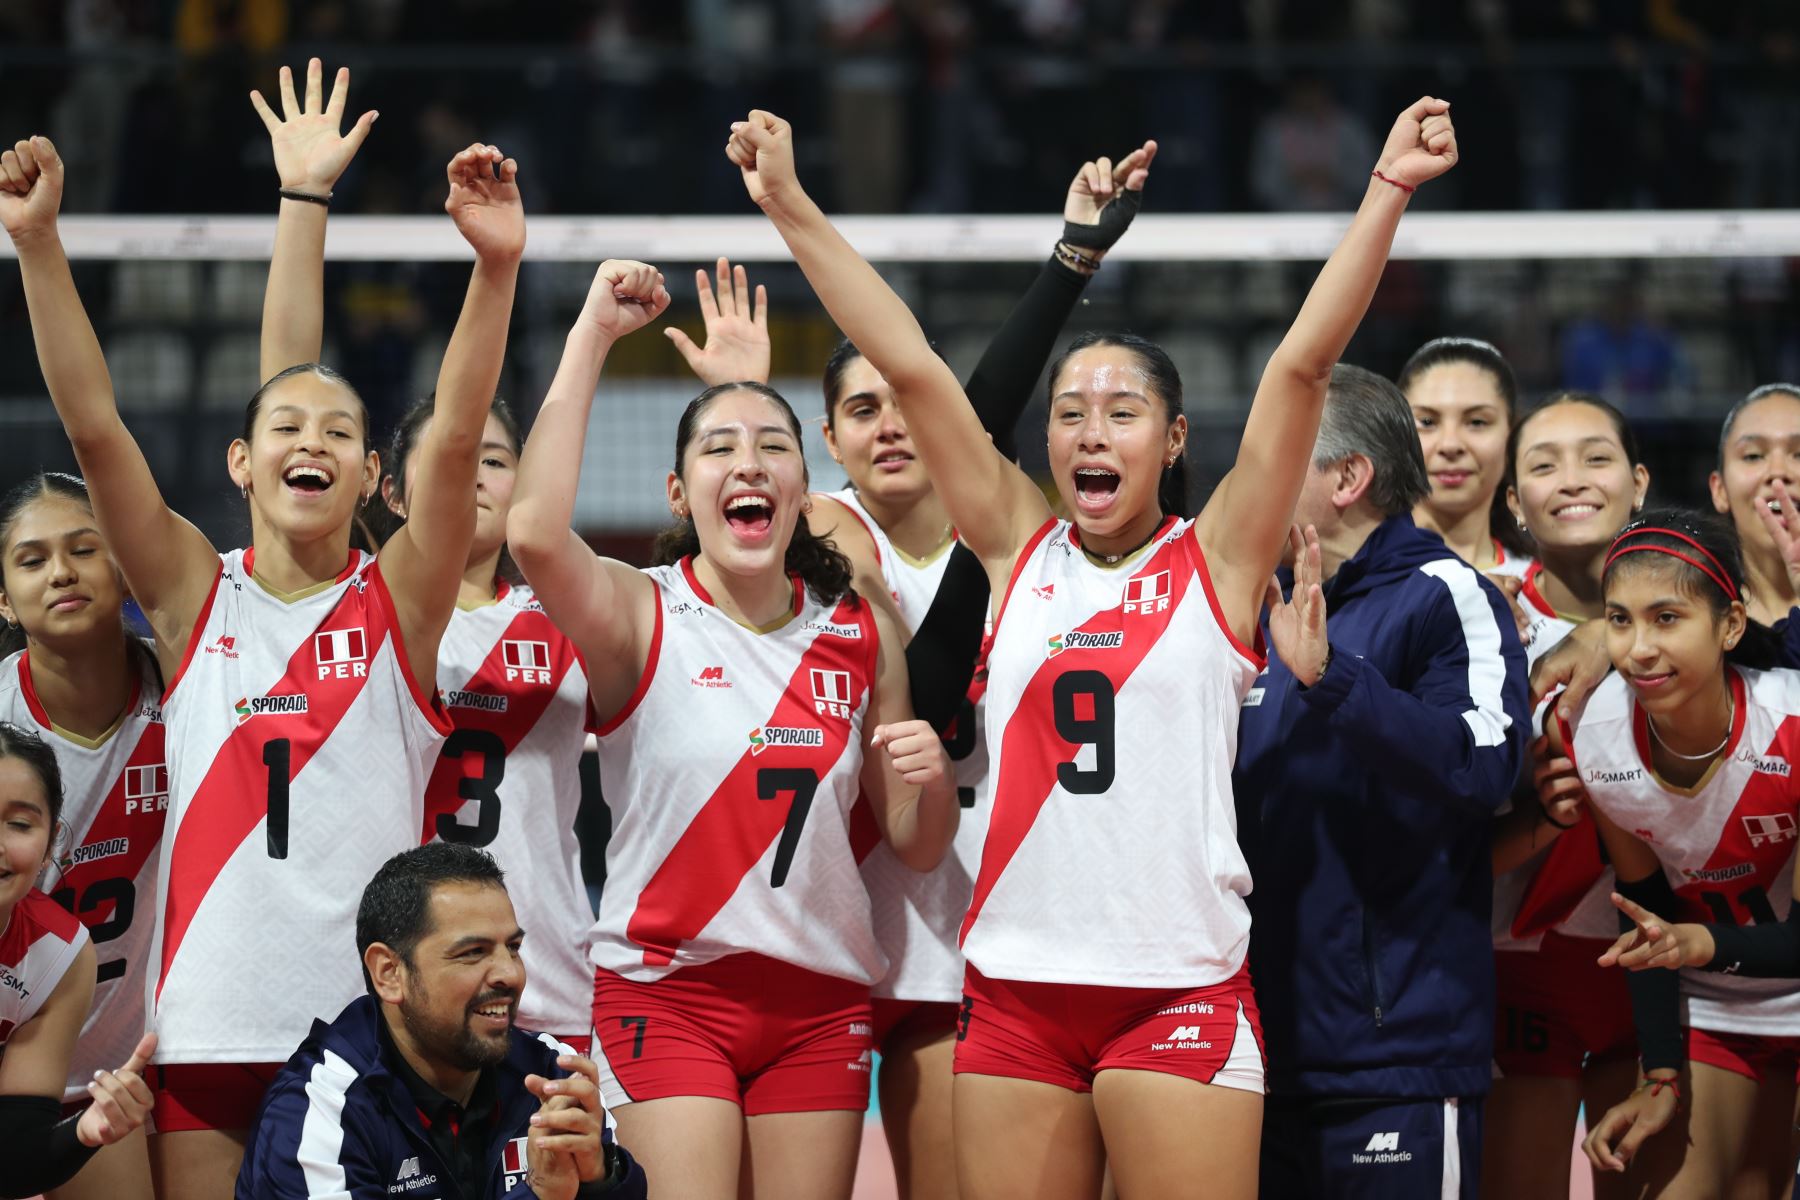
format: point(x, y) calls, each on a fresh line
point(1146, 593)
point(1077, 639)
point(1382, 1148)
point(831, 693)
point(146, 789)
point(1183, 1037)
point(226, 645)
point(765, 736)
point(342, 653)
point(411, 1177)
point(1771, 827)
point(526, 662)
point(711, 677)
point(258, 706)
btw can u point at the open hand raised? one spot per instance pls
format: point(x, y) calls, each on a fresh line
point(310, 153)
point(1297, 625)
point(737, 331)
point(484, 202)
point(31, 184)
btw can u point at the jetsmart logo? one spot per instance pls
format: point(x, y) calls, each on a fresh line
point(784, 735)
point(1597, 775)
point(259, 706)
point(1771, 765)
point(833, 629)
point(1077, 639)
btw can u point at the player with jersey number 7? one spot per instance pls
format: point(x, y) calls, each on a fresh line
point(280, 660)
point(747, 696)
point(1111, 889)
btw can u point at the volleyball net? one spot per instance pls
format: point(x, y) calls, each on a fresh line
point(1673, 315)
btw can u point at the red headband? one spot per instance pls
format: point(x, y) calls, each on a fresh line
point(1715, 572)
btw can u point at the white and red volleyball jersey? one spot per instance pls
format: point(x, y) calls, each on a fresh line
point(38, 944)
point(1592, 915)
point(916, 913)
point(1727, 844)
point(115, 797)
point(299, 746)
point(1517, 565)
point(509, 780)
point(1112, 853)
point(731, 773)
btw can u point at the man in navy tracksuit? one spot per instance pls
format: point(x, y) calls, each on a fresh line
point(423, 1089)
point(1368, 771)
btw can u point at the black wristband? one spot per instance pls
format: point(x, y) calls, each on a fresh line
point(1114, 220)
point(1762, 951)
point(308, 197)
point(1655, 995)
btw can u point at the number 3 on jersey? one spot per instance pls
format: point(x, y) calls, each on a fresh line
point(1083, 704)
point(484, 788)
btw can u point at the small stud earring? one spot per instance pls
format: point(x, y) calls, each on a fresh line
point(1522, 528)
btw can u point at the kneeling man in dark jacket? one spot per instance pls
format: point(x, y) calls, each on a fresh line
point(423, 1088)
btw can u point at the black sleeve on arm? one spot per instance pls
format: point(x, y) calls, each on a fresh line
point(1655, 995)
point(1758, 951)
point(940, 659)
point(38, 1146)
point(1000, 386)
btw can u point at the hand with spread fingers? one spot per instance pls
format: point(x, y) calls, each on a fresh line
point(1784, 527)
point(121, 1099)
point(737, 329)
point(1297, 624)
point(31, 186)
point(1656, 942)
point(484, 202)
point(310, 151)
point(564, 1149)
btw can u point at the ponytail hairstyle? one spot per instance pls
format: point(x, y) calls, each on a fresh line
point(1700, 551)
point(1165, 385)
point(254, 408)
point(45, 485)
point(1485, 357)
point(380, 522)
point(817, 562)
point(31, 750)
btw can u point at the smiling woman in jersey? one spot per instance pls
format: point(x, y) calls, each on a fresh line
point(1120, 656)
point(747, 698)
point(282, 656)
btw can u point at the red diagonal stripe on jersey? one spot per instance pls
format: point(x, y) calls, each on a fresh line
point(525, 705)
point(1032, 749)
point(1765, 794)
point(227, 806)
point(141, 831)
point(733, 829)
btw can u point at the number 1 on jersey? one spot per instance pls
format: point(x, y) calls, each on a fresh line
point(276, 758)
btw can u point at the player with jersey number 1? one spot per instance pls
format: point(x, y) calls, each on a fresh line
point(1108, 1013)
point(78, 679)
point(280, 658)
point(747, 698)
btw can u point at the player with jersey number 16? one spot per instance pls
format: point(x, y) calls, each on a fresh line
point(734, 947)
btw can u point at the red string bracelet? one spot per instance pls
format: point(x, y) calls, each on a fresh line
point(1657, 1085)
point(1405, 187)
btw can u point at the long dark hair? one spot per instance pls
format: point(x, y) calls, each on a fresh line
point(45, 485)
point(1165, 385)
point(384, 521)
point(31, 750)
point(818, 563)
point(1700, 549)
point(254, 408)
point(1486, 357)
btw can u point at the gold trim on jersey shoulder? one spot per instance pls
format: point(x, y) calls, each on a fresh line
point(94, 743)
point(304, 593)
point(780, 622)
point(1698, 786)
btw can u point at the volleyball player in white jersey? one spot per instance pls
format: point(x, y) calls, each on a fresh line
point(1685, 756)
point(280, 658)
point(1099, 961)
point(1563, 1037)
point(891, 512)
point(747, 697)
point(82, 683)
point(47, 969)
point(1759, 447)
point(1463, 397)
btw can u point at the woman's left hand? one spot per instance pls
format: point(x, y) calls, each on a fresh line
point(1297, 624)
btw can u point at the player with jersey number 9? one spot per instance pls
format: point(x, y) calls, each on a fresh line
point(280, 657)
point(747, 697)
point(1114, 680)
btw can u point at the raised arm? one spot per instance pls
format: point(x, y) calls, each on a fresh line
point(425, 558)
point(737, 330)
point(995, 506)
point(1244, 523)
point(606, 607)
point(310, 155)
point(169, 564)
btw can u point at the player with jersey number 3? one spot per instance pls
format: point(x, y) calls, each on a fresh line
point(747, 696)
point(1108, 1012)
point(279, 659)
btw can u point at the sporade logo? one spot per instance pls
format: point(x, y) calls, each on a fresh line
point(1078, 639)
point(765, 736)
point(257, 706)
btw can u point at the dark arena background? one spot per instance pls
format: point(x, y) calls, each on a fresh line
point(1625, 217)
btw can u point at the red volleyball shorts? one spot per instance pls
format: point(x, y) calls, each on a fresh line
point(912, 1019)
point(193, 1096)
point(1065, 1034)
point(1758, 1056)
point(1556, 1009)
point(764, 1034)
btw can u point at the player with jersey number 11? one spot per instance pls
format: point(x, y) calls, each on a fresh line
point(282, 656)
point(747, 696)
point(1108, 1013)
